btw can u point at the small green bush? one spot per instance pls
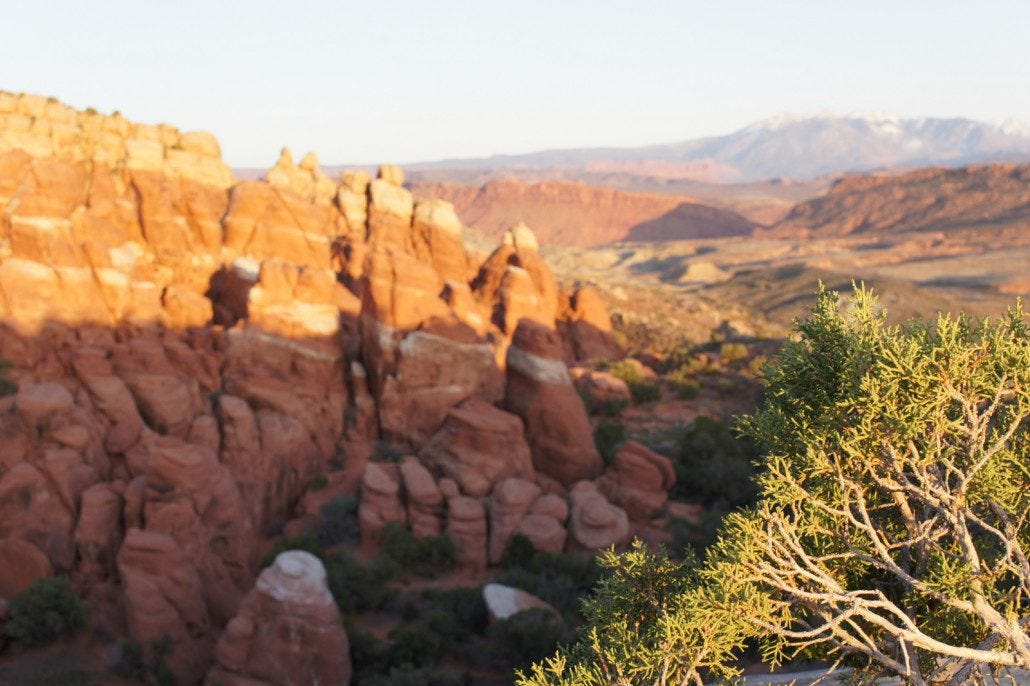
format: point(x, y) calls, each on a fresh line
point(561, 579)
point(733, 351)
point(307, 541)
point(465, 605)
point(608, 436)
point(714, 465)
point(426, 558)
point(416, 676)
point(687, 389)
point(418, 644)
point(645, 391)
point(628, 370)
point(45, 611)
point(7, 387)
point(608, 407)
point(339, 523)
point(355, 587)
point(520, 552)
point(527, 636)
point(319, 482)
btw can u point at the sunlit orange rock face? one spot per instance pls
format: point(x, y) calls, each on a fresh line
point(575, 214)
point(193, 352)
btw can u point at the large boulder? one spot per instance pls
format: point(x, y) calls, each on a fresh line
point(20, 564)
point(594, 522)
point(467, 528)
point(507, 505)
point(540, 391)
point(587, 327)
point(425, 502)
point(287, 632)
point(164, 596)
point(379, 501)
point(477, 446)
point(638, 480)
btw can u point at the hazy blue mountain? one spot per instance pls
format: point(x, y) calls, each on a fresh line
point(794, 147)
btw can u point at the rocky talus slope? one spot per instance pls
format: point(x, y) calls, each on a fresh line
point(191, 352)
point(567, 213)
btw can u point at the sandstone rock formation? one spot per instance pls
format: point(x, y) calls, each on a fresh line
point(920, 200)
point(477, 446)
point(594, 522)
point(638, 480)
point(287, 631)
point(192, 353)
point(574, 214)
point(540, 391)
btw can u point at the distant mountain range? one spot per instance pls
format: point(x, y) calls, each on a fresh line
point(783, 147)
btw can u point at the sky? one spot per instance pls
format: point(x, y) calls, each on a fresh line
point(392, 81)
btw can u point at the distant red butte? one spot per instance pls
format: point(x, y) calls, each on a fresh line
point(574, 214)
point(925, 199)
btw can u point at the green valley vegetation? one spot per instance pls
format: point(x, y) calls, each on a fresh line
point(891, 531)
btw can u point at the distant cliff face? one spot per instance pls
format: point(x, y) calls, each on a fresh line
point(920, 200)
point(577, 215)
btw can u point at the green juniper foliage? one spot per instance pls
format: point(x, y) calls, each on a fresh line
point(892, 528)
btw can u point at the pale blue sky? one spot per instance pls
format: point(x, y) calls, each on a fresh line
point(403, 81)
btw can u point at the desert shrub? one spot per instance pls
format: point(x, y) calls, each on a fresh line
point(355, 587)
point(420, 643)
point(726, 386)
point(645, 391)
point(427, 557)
point(368, 653)
point(7, 387)
point(628, 370)
point(714, 465)
point(465, 605)
point(561, 579)
point(339, 523)
point(608, 436)
point(319, 482)
point(687, 389)
point(520, 552)
point(526, 636)
point(733, 351)
point(607, 407)
point(307, 541)
point(416, 676)
point(45, 611)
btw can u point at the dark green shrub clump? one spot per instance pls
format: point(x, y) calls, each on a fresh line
point(645, 391)
point(339, 523)
point(560, 579)
point(527, 636)
point(355, 587)
point(401, 551)
point(45, 611)
point(133, 664)
point(416, 676)
point(465, 605)
point(608, 407)
point(608, 436)
point(715, 466)
point(307, 541)
point(7, 387)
